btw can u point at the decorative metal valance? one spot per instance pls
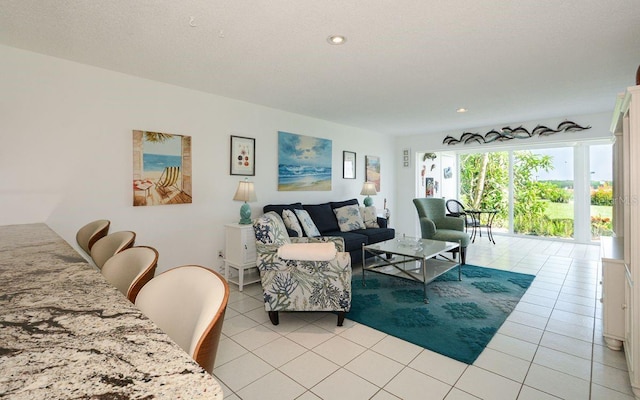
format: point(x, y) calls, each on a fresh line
point(508, 133)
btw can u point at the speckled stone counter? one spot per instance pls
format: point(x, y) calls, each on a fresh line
point(67, 333)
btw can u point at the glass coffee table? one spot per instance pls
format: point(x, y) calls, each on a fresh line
point(421, 260)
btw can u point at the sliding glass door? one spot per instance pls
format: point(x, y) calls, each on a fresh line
point(484, 184)
point(543, 192)
point(535, 191)
point(601, 190)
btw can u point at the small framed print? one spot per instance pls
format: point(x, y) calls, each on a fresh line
point(242, 155)
point(348, 165)
point(406, 160)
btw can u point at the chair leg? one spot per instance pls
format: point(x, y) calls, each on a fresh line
point(463, 255)
point(341, 315)
point(273, 316)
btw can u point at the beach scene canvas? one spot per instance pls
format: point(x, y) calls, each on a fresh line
point(304, 163)
point(161, 168)
point(372, 170)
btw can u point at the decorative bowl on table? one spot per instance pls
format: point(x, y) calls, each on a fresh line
point(410, 243)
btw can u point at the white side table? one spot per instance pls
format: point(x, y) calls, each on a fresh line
point(240, 255)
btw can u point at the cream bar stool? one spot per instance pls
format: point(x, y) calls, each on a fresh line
point(91, 233)
point(110, 245)
point(188, 304)
point(130, 269)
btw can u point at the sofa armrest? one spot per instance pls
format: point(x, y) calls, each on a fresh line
point(337, 240)
point(428, 228)
point(382, 222)
point(268, 260)
point(453, 223)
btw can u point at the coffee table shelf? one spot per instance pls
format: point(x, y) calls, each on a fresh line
point(420, 260)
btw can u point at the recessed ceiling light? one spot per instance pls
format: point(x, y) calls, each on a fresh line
point(461, 110)
point(336, 39)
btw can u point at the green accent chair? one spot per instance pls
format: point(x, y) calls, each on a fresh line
point(436, 225)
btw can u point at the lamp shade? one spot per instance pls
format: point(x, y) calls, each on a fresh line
point(245, 191)
point(368, 189)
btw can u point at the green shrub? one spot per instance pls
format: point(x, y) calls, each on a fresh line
point(602, 196)
point(556, 194)
point(601, 226)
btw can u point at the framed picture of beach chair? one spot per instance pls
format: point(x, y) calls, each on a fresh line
point(161, 169)
point(242, 156)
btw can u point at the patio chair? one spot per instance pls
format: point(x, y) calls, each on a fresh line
point(456, 209)
point(435, 225)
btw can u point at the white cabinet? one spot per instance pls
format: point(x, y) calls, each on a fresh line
point(626, 126)
point(613, 299)
point(240, 255)
point(629, 345)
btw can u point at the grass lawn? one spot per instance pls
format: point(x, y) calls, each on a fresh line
point(565, 211)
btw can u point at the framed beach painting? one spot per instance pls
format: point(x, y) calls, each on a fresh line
point(243, 156)
point(372, 170)
point(348, 165)
point(161, 169)
point(304, 163)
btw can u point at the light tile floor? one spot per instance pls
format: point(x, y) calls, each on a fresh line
point(550, 347)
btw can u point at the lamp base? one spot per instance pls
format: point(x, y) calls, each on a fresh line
point(368, 201)
point(245, 214)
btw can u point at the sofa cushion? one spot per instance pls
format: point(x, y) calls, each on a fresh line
point(338, 204)
point(352, 241)
point(280, 207)
point(449, 235)
point(309, 227)
point(349, 218)
point(376, 235)
point(369, 217)
point(323, 216)
point(291, 221)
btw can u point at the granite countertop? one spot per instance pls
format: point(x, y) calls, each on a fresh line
point(65, 332)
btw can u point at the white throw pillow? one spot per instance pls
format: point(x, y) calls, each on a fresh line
point(307, 223)
point(349, 218)
point(369, 216)
point(290, 220)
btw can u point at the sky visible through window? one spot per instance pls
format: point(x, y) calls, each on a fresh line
point(600, 163)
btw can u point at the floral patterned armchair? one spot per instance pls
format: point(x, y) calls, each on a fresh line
point(300, 285)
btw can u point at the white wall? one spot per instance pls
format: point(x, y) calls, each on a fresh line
point(66, 154)
point(406, 218)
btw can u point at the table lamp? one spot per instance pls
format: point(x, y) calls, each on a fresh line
point(245, 192)
point(368, 189)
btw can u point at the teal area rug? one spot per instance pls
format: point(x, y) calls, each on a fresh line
point(460, 319)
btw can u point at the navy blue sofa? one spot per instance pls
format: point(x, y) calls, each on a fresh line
point(327, 223)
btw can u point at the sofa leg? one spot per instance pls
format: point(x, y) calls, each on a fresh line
point(341, 315)
point(463, 255)
point(273, 316)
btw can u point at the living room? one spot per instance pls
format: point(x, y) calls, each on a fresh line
point(67, 149)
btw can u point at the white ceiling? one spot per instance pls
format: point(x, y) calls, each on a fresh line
point(406, 67)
